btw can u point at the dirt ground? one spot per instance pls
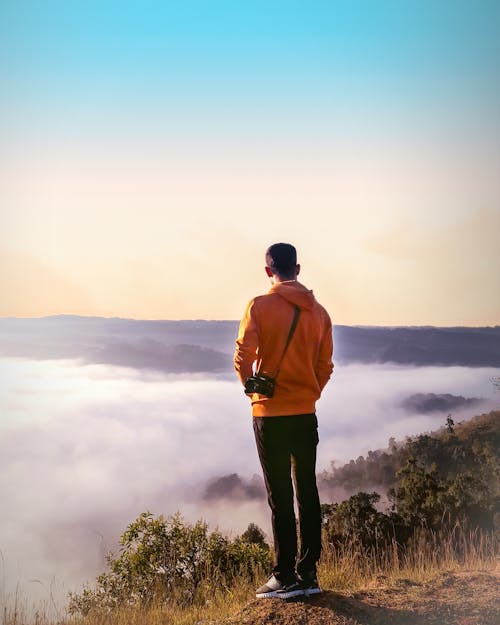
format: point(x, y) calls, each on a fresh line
point(452, 598)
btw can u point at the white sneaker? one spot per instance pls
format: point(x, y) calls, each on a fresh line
point(309, 584)
point(274, 588)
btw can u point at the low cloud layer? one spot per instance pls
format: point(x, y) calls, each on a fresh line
point(84, 449)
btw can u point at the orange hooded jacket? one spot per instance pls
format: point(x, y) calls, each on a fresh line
point(307, 364)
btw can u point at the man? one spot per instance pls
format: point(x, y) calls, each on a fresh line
point(285, 424)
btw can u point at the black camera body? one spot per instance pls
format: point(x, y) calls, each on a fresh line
point(261, 384)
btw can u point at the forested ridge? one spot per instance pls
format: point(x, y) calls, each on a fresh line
point(435, 481)
point(468, 446)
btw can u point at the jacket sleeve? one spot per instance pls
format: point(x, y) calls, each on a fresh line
point(324, 366)
point(246, 344)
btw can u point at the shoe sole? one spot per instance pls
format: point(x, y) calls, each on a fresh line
point(291, 593)
point(312, 591)
point(280, 594)
point(266, 595)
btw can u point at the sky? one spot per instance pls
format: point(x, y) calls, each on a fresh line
point(151, 151)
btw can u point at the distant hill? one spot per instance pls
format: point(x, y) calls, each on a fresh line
point(207, 346)
point(419, 345)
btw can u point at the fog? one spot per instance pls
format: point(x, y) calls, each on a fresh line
point(85, 448)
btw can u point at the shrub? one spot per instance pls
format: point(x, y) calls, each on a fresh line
point(167, 558)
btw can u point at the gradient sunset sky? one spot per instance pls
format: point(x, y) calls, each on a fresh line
point(151, 151)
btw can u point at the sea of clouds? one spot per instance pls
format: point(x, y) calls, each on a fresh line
point(85, 448)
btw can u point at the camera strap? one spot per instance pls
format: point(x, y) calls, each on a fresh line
point(289, 338)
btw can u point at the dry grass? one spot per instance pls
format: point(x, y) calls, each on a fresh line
point(427, 553)
point(346, 569)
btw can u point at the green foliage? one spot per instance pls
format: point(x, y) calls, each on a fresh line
point(418, 499)
point(471, 446)
point(163, 558)
point(357, 521)
point(453, 477)
point(448, 478)
point(255, 536)
point(432, 498)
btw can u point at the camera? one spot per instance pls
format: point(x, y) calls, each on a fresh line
point(261, 384)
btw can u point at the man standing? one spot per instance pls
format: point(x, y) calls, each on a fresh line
point(287, 335)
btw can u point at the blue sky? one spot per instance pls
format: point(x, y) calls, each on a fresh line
point(88, 52)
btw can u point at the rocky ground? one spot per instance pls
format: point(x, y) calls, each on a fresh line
point(451, 598)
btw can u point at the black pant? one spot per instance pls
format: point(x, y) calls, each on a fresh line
point(285, 443)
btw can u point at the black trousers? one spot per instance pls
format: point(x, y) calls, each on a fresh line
point(287, 448)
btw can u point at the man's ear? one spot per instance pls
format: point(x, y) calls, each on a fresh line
point(297, 270)
point(268, 271)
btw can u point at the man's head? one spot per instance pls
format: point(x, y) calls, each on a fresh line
point(281, 261)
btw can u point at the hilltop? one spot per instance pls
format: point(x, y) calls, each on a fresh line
point(460, 597)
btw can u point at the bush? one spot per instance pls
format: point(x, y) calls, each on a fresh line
point(167, 558)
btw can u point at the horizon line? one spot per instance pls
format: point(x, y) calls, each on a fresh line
point(354, 325)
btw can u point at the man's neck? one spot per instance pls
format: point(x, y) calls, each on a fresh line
point(278, 281)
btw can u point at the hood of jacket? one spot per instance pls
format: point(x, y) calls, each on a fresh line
point(296, 293)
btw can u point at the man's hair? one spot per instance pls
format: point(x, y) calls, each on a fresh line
point(281, 258)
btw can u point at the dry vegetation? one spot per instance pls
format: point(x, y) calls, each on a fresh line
point(438, 580)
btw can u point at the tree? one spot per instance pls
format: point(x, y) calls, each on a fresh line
point(255, 536)
point(356, 520)
point(418, 497)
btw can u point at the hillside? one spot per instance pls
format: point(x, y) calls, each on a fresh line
point(450, 598)
point(473, 441)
